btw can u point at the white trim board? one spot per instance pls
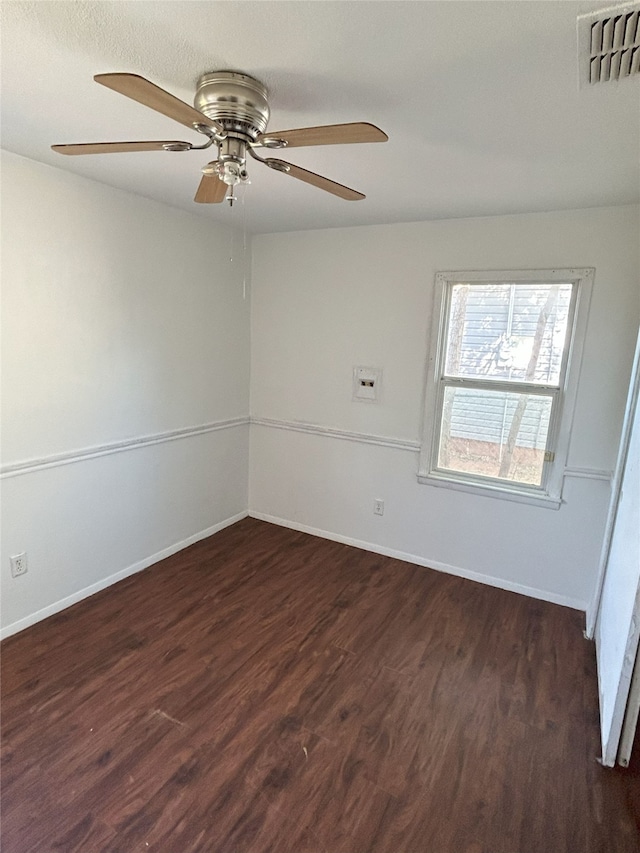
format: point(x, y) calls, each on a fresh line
point(345, 435)
point(75, 597)
point(588, 473)
point(488, 580)
point(87, 591)
point(28, 466)
point(394, 443)
point(14, 469)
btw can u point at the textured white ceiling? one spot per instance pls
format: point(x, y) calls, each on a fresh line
point(480, 101)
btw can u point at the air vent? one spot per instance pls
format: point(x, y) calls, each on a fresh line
point(609, 45)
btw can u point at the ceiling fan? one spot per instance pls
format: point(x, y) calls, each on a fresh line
point(232, 111)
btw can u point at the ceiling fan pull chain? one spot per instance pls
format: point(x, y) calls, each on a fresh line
point(244, 245)
point(231, 232)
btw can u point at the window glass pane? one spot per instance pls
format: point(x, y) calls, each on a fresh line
point(508, 331)
point(494, 434)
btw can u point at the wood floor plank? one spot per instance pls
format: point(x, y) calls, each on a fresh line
point(265, 690)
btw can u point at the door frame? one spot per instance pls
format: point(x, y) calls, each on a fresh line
point(593, 610)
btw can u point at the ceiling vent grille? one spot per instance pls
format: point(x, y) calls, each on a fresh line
point(609, 44)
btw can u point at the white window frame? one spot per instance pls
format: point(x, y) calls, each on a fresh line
point(549, 493)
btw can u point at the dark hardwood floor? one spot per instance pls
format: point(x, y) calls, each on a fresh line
point(265, 690)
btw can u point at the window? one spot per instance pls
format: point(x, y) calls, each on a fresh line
point(502, 380)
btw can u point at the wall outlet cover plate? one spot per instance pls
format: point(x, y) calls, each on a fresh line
point(367, 382)
point(18, 565)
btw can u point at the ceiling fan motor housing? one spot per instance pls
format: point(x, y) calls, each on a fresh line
point(236, 101)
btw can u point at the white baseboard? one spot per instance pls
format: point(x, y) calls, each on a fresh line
point(63, 603)
point(501, 583)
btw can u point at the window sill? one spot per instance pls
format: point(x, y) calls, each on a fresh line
point(490, 491)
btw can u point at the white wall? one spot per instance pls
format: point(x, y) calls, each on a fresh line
point(123, 322)
point(324, 302)
point(125, 373)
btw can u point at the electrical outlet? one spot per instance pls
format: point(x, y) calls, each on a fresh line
point(378, 507)
point(18, 565)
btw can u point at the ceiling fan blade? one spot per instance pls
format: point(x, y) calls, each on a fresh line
point(150, 95)
point(211, 190)
point(315, 180)
point(118, 147)
point(328, 134)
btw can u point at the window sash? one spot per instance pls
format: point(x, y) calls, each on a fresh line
point(507, 385)
point(509, 388)
point(443, 334)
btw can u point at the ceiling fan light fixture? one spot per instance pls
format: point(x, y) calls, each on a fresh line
point(229, 172)
point(211, 169)
point(233, 173)
point(232, 158)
